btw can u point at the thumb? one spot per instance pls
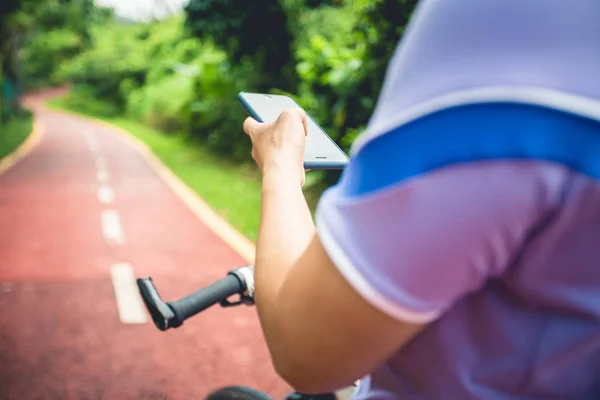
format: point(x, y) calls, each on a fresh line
point(251, 125)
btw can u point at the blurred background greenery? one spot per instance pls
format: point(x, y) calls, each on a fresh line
point(173, 81)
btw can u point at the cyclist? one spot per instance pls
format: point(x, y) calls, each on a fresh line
point(459, 255)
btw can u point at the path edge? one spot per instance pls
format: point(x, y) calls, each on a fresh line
point(23, 150)
point(196, 204)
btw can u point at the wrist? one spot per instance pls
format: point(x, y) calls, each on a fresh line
point(278, 176)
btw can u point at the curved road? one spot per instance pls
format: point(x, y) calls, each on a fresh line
point(77, 215)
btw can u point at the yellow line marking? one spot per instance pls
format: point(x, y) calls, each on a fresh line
point(238, 242)
point(24, 148)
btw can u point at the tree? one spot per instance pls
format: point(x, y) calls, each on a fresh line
point(342, 73)
point(248, 29)
point(317, 3)
point(8, 56)
point(39, 34)
point(382, 25)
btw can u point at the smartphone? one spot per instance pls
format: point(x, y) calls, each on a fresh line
point(320, 151)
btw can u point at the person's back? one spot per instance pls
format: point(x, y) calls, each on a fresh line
point(489, 119)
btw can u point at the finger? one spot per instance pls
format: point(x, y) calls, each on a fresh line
point(294, 114)
point(305, 123)
point(300, 112)
point(304, 118)
point(250, 125)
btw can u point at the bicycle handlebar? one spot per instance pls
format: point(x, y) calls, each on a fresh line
point(172, 314)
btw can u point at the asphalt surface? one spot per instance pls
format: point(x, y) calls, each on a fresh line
point(82, 202)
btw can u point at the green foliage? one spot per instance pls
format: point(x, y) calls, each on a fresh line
point(381, 25)
point(44, 54)
point(342, 68)
point(116, 60)
point(37, 36)
point(182, 74)
point(342, 63)
point(181, 77)
point(15, 131)
point(216, 115)
point(329, 75)
point(83, 99)
point(257, 30)
point(177, 75)
point(150, 105)
point(121, 57)
point(157, 75)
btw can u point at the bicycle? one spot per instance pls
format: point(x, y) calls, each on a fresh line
point(238, 282)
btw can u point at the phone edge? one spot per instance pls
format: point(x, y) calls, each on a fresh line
point(338, 165)
point(247, 107)
point(320, 166)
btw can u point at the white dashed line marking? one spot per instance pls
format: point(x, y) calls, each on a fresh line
point(100, 162)
point(129, 302)
point(111, 227)
point(91, 141)
point(106, 194)
point(102, 175)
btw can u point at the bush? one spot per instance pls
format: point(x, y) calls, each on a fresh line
point(216, 115)
point(46, 52)
point(83, 99)
point(162, 105)
point(256, 31)
point(122, 56)
point(329, 76)
point(15, 131)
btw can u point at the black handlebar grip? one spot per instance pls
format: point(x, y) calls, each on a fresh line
point(207, 297)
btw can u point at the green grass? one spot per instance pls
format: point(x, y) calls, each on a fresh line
point(14, 132)
point(232, 190)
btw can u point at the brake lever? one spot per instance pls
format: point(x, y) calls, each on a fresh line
point(244, 299)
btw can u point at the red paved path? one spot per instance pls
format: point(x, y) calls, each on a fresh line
point(60, 334)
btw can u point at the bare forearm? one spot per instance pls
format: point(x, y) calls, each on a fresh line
point(286, 229)
point(286, 226)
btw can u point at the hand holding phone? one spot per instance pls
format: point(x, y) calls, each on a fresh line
point(320, 151)
point(279, 144)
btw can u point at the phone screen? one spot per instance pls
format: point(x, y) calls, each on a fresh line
point(319, 147)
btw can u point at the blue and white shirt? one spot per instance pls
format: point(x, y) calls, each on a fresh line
point(472, 203)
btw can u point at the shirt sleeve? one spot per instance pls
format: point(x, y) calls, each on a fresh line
point(413, 248)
